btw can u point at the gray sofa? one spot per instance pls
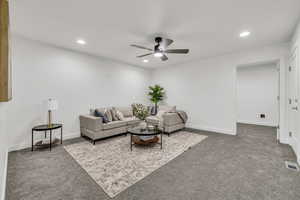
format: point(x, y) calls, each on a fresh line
point(93, 127)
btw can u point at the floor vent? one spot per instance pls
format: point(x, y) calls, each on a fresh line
point(292, 166)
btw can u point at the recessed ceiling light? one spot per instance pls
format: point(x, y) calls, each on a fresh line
point(145, 60)
point(158, 54)
point(244, 34)
point(81, 41)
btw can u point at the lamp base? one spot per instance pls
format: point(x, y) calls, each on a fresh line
point(49, 119)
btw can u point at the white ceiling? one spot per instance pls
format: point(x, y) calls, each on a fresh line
point(206, 27)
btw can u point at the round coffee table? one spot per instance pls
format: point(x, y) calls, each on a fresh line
point(144, 132)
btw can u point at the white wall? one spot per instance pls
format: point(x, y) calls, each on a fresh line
point(257, 91)
point(3, 151)
point(78, 81)
point(206, 89)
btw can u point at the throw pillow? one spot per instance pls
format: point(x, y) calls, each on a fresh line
point(114, 114)
point(126, 111)
point(107, 113)
point(120, 115)
point(100, 114)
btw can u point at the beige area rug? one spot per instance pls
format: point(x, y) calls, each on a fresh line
point(115, 168)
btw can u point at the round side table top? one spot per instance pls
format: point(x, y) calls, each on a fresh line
point(45, 127)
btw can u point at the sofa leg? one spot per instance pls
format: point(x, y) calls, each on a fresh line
point(168, 134)
point(94, 142)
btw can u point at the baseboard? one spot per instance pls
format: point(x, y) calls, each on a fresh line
point(257, 123)
point(71, 135)
point(3, 194)
point(66, 136)
point(211, 129)
point(284, 141)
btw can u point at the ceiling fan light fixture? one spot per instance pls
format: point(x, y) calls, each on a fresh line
point(158, 54)
point(245, 34)
point(81, 41)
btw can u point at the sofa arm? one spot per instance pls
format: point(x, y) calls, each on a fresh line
point(174, 118)
point(91, 122)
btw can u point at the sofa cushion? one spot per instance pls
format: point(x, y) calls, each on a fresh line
point(167, 108)
point(127, 111)
point(108, 114)
point(132, 120)
point(114, 124)
point(92, 110)
point(100, 114)
point(160, 113)
point(114, 114)
point(120, 115)
point(153, 120)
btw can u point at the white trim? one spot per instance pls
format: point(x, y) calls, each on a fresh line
point(284, 141)
point(294, 144)
point(4, 176)
point(211, 129)
point(71, 135)
point(21, 146)
point(257, 123)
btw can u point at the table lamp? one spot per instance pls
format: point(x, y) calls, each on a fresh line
point(52, 104)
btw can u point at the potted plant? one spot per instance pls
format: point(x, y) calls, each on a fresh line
point(156, 94)
point(141, 112)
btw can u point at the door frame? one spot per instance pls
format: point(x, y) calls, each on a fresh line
point(293, 54)
point(281, 93)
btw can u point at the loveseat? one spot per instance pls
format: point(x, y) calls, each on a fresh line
point(168, 119)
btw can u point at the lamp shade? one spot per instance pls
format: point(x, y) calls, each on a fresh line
point(52, 104)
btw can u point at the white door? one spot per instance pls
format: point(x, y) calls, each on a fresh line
point(293, 97)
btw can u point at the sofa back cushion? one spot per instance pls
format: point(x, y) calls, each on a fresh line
point(114, 114)
point(126, 111)
point(107, 113)
point(120, 115)
point(102, 115)
point(167, 108)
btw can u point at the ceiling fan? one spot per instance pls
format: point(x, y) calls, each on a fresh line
point(160, 49)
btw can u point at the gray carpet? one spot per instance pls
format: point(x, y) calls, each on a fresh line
point(247, 166)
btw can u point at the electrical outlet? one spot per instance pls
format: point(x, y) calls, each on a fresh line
point(262, 116)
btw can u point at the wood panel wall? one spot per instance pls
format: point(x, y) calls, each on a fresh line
point(5, 66)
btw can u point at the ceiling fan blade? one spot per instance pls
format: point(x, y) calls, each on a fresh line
point(141, 47)
point(167, 42)
point(144, 55)
point(176, 51)
point(164, 58)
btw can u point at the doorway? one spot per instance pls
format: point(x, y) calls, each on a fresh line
point(258, 89)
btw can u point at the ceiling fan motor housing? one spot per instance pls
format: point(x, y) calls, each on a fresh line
point(157, 47)
point(158, 40)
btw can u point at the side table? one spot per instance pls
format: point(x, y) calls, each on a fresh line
point(45, 128)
